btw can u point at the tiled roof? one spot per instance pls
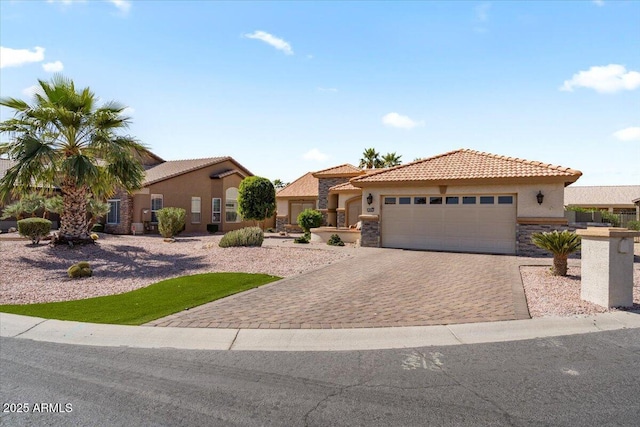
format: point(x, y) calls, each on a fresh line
point(227, 173)
point(467, 164)
point(347, 186)
point(336, 171)
point(305, 186)
point(172, 168)
point(601, 195)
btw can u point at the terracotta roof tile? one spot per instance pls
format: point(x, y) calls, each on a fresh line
point(172, 168)
point(227, 173)
point(305, 186)
point(467, 164)
point(342, 170)
point(347, 186)
point(601, 195)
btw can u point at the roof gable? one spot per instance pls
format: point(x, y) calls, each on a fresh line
point(345, 170)
point(467, 164)
point(173, 168)
point(305, 186)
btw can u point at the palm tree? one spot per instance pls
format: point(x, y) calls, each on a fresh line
point(561, 244)
point(370, 159)
point(391, 159)
point(64, 140)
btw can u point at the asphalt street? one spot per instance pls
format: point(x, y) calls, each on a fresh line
point(580, 380)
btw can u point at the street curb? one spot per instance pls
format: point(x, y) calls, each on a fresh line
point(77, 333)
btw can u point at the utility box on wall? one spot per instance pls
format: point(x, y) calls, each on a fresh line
point(607, 266)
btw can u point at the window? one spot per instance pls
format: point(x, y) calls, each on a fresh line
point(389, 200)
point(216, 212)
point(231, 205)
point(113, 216)
point(195, 210)
point(505, 200)
point(404, 200)
point(435, 200)
point(486, 200)
point(453, 200)
point(469, 200)
point(156, 205)
point(419, 200)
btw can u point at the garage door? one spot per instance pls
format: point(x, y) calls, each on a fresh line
point(469, 223)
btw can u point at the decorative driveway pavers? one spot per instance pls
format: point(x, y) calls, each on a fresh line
point(375, 288)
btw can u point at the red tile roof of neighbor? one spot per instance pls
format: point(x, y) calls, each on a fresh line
point(347, 186)
point(467, 164)
point(172, 168)
point(305, 186)
point(337, 171)
point(605, 195)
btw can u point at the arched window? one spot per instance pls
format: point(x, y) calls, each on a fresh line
point(231, 205)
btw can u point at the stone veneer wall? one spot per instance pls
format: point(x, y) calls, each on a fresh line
point(126, 214)
point(370, 232)
point(324, 184)
point(342, 218)
point(281, 221)
point(524, 246)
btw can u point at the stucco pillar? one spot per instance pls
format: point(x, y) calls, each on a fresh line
point(607, 266)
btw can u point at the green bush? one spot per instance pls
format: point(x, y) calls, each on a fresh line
point(308, 219)
point(81, 269)
point(248, 236)
point(306, 238)
point(335, 240)
point(171, 221)
point(611, 218)
point(98, 228)
point(212, 228)
point(34, 228)
point(633, 225)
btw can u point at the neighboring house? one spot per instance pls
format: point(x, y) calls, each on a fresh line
point(206, 188)
point(463, 200)
point(617, 199)
point(301, 194)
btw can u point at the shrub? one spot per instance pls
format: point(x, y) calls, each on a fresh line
point(335, 240)
point(308, 219)
point(256, 198)
point(171, 221)
point(611, 218)
point(633, 225)
point(306, 238)
point(81, 269)
point(561, 244)
point(34, 228)
point(98, 228)
point(248, 236)
point(212, 228)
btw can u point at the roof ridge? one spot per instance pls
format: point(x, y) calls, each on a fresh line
point(336, 167)
point(523, 161)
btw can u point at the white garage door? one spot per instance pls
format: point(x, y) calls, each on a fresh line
point(469, 223)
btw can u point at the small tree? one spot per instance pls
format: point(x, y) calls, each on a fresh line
point(308, 219)
point(256, 198)
point(561, 244)
point(171, 221)
point(96, 210)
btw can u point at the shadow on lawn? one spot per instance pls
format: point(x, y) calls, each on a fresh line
point(117, 261)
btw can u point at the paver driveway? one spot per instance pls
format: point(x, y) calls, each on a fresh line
point(376, 288)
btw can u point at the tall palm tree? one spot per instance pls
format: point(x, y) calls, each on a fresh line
point(560, 244)
point(370, 159)
point(391, 159)
point(64, 140)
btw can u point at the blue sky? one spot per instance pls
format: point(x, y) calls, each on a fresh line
point(291, 87)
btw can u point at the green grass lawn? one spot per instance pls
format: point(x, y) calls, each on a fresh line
point(147, 304)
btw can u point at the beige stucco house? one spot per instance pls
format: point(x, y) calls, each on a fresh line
point(617, 199)
point(206, 188)
point(463, 200)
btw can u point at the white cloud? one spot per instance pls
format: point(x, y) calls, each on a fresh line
point(628, 134)
point(605, 79)
point(30, 91)
point(17, 57)
point(53, 67)
point(122, 5)
point(327, 89)
point(315, 154)
point(598, 2)
point(398, 121)
point(272, 40)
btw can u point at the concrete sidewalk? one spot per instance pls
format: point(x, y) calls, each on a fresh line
point(67, 332)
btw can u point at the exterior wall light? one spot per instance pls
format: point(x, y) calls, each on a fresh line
point(369, 199)
point(540, 197)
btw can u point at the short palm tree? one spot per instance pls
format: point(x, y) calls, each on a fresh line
point(391, 159)
point(561, 244)
point(370, 159)
point(64, 140)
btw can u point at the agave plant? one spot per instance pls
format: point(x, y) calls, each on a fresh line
point(561, 244)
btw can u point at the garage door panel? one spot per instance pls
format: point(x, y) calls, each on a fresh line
point(467, 228)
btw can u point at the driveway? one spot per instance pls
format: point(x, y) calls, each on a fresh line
point(375, 288)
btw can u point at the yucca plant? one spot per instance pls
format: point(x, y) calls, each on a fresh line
point(560, 244)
